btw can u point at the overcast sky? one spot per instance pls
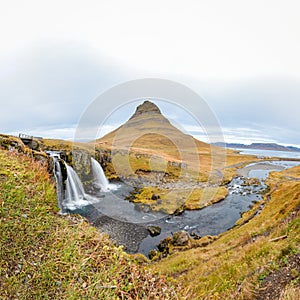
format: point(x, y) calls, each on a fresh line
point(242, 57)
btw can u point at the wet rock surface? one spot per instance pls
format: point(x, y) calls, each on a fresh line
point(154, 230)
point(81, 161)
point(180, 238)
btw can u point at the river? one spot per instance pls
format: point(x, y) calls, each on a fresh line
point(126, 222)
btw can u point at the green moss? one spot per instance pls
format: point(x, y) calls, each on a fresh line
point(171, 200)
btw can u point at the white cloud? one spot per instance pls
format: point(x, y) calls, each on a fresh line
point(57, 56)
point(225, 39)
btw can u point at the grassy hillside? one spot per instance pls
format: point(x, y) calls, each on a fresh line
point(45, 255)
point(241, 263)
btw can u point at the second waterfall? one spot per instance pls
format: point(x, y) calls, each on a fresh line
point(70, 189)
point(100, 179)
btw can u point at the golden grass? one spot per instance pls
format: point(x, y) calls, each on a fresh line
point(170, 200)
point(290, 293)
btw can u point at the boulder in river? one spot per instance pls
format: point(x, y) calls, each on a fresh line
point(164, 245)
point(154, 230)
point(180, 238)
point(154, 254)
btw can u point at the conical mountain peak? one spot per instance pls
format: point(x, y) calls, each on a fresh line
point(146, 108)
point(150, 130)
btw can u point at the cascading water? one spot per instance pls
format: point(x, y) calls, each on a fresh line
point(100, 178)
point(59, 181)
point(74, 187)
point(74, 193)
point(71, 195)
point(58, 177)
point(121, 219)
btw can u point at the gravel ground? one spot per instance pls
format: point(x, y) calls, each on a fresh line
point(259, 166)
point(128, 234)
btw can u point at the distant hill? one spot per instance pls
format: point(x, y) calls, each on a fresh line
point(262, 146)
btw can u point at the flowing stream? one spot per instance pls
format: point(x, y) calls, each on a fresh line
point(126, 222)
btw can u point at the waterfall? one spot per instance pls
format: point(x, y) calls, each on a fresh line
point(72, 195)
point(75, 195)
point(59, 181)
point(100, 179)
point(74, 187)
point(58, 177)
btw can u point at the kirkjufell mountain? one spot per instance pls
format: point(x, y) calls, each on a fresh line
point(148, 130)
point(148, 141)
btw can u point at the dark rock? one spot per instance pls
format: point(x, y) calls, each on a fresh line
point(81, 161)
point(164, 245)
point(195, 236)
point(179, 211)
point(206, 240)
point(146, 208)
point(155, 197)
point(153, 254)
point(154, 230)
point(41, 157)
point(180, 238)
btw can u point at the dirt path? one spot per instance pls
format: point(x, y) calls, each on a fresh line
point(276, 282)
